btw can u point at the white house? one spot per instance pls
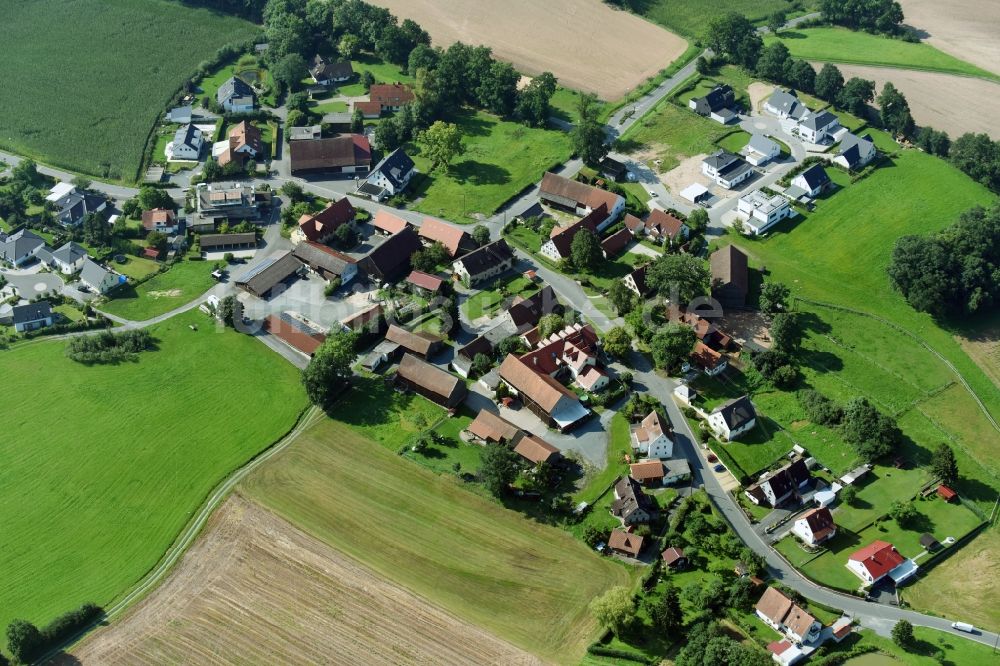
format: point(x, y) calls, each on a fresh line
point(32, 316)
point(810, 182)
point(760, 212)
point(818, 127)
point(651, 439)
point(726, 169)
point(783, 615)
point(676, 470)
point(186, 144)
point(760, 150)
point(389, 177)
point(487, 262)
point(815, 526)
point(97, 278)
point(236, 96)
point(59, 190)
point(733, 418)
point(878, 560)
point(20, 247)
point(786, 104)
point(855, 152)
point(68, 259)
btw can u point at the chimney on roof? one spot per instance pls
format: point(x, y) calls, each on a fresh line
point(535, 359)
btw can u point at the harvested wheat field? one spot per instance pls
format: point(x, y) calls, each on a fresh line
point(255, 590)
point(588, 45)
point(966, 29)
point(956, 104)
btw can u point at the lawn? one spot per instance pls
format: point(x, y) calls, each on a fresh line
point(335, 106)
point(488, 301)
point(690, 17)
point(619, 445)
point(136, 268)
point(442, 456)
point(525, 582)
point(673, 133)
point(103, 132)
point(734, 142)
point(91, 498)
point(564, 105)
point(931, 648)
point(250, 70)
point(181, 283)
point(501, 158)
point(862, 48)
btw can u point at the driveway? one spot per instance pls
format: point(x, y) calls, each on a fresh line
point(30, 284)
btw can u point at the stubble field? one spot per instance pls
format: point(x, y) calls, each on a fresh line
point(967, 29)
point(256, 590)
point(588, 45)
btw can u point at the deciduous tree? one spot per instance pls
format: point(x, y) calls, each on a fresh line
point(499, 468)
point(614, 610)
point(671, 345)
point(617, 342)
point(585, 251)
point(330, 368)
point(829, 83)
point(442, 143)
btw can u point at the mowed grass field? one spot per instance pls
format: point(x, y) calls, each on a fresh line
point(691, 17)
point(104, 465)
point(181, 283)
point(862, 48)
point(85, 81)
point(501, 158)
point(524, 582)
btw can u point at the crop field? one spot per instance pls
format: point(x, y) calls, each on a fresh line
point(556, 36)
point(104, 464)
point(966, 29)
point(524, 582)
point(501, 158)
point(97, 117)
point(862, 48)
point(181, 283)
point(690, 17)
point(299, 602)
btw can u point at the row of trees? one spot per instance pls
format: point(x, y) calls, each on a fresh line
point(952, 273)
point(879, 16)
point(26, 642)
point(108, 347)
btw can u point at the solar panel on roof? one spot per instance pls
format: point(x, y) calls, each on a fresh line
point(254, 272)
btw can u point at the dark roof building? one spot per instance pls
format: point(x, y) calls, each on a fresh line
point(320, 227)
point(730, 276)
point(737, 412)
point(719, 97)
point(631, 505)
point(235, 93)
point(390, 261)
point(221, 242)
point(431, 382)
point(615, 243)
point(261, 280)
point(326, 261)
point(420, 344)
point(31, 313)
point(487, 262)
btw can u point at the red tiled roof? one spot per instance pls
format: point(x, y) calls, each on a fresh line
point(705, 357)
point(671, 555)
point(625, 542)
point(161, 216)
point(535, 449)
point(879, 558)
point(388, 222)
point(661, 223)
point(293, 335)
point(151, 252)
point(616, 242)
point(442, 232)
point(325, 222)
point(425, 281)
point(368, 108)
point(946, 493)
point(584, 195)
point(647, 470)
point(391, 94)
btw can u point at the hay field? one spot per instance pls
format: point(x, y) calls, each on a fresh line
point(256, 590)
point(956, 104)
point(967, 29)
point(585, 43)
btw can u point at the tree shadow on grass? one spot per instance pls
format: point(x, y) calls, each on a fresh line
point(479, 173)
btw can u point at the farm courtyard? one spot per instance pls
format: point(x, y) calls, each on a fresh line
point(104, 464)
point(97, 119)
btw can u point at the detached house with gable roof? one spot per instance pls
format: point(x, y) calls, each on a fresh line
point(855, 152)
point(560, 241)
point(717, 104)
point(236, 96)
point(879, 560)
point(652, 438)
point(783, 615)
point(726, 169)
point(810, 183)
point(389, 177)
point(730, 276)
point(68, 259)
point(487, 262)
point(785, 103)
point(325, 73)
point(391, 96)
point(20, 246)
point(320, 227)
point(456, 241)
point(775, 488)
point(32, 316)
point(631, 505)
point(186, 144)
point(97, 278)
point(581, 199)
point(818, 127)
point(734, 418)
point(815, 526)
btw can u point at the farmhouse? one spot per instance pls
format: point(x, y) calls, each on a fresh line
point(614, 244)
point(580, 198)
point(552, 402)
point(341, 155)
point(325, 73)
point(733, 418)
point(431, 382)
point(320, 227)
point(810, 183)
point(389, 177)
point(236, 96)
point(717, 104)
point(659, 225)
point(186, 144)
point(32, 316)
point(726, 169)
point(294, 332)
point(636, 282)
point(785, 104)
point(815, 526)
point(775, 488)
point(818, 127)
point(524, 313)
point(20, 246)
point(625, 543)
point(705, 359)
point(631, 505)
point(391, 96)
point(760, 211)
point(68, 259)
point(572, 350)
point(97, 278)
point(489, 428)
point(652, 438)
point(163, 220)
point(244, 142)
point(707, 332)
point(390, 261)
point(419, 344)
point(264, 278)
point(326, 262)
point(217, 202)
point(369, 110)
point(878, 560)
point(487, 262)
point(784, 616)
point(424, 282)
point(388, 224)
point(613, 169)
point(649, 473)
point(730, 276)
point(560, 240)
point(536, 450)
point(855, 152)
point(455, 240)
point(227, 242)
point(760, 150)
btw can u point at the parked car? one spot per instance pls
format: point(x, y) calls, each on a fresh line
point(719, 468)
point(712, 458)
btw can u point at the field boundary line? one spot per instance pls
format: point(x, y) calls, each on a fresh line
point(307, 418)
point(922, 343)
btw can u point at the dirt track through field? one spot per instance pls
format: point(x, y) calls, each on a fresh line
point(966, 29)
point(956, 104)
point(255, 590)
point(588, 45)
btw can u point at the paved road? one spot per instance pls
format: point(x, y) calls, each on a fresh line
point(622, 119)
point(114, 191)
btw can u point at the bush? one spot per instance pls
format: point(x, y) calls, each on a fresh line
point(109, 347)
point(820, 409)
